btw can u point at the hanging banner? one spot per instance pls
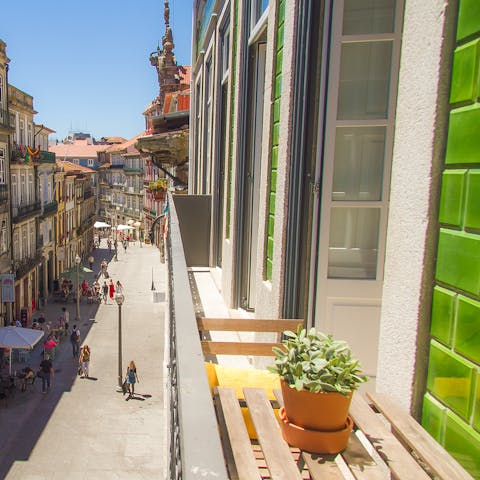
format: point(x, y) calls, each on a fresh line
point(8, 282)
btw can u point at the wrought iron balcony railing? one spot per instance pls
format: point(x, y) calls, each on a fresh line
point(50, 208)
point(25, 211)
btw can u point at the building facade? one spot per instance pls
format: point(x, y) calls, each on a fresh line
point(5, 222)
point(319, 130)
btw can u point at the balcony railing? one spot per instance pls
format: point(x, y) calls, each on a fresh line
point(47, 157)
point(50, 208)
point(25, 211)
point(22, 267)
point(193, 440)
point(4, 118)
point(3, 192)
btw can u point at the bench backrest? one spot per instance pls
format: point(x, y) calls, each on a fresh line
point(256, 348)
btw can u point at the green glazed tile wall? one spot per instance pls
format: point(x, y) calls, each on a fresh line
point(277, 88)
point(451, 408)
point(443, 308)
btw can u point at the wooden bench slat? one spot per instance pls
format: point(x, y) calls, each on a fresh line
point(247, 325)
point(238, 348)
point(418, 439)
point(360, 463)
point(322, 466)
point(276, 451)
point(243, 465)
point(390, 449)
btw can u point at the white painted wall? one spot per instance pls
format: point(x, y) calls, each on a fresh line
point(411, 237)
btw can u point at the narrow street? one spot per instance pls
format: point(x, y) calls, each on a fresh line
point(84, 428)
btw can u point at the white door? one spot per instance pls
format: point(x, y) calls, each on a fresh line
point(362, 86)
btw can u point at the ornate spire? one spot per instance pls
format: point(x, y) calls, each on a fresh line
point(167, 40)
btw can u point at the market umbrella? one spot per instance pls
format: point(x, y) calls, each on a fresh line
point(100, 225)
point(72, 272)
point(124, 227)
point(19, 338)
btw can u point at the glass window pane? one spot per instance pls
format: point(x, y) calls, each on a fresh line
point(358, 163)
point(352, 251)
point(368, 16)
point(364, 80)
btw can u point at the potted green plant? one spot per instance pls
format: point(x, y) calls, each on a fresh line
point(318, 375)
point(158, 188)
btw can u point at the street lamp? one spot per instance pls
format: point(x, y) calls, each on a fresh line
point(77, 261)
point(119, 298)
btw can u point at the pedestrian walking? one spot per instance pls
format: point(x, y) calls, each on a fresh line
point(125, 245)
point(75, 341)
point(109, 243)
point(105, 291)
point(131, 378)
point(90, 262)
point(111, 289)
point(118, 287)
point(84, 361)
point(66, 318)
point(46, 373)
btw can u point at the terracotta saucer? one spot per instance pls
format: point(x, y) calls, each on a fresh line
point(315, 441)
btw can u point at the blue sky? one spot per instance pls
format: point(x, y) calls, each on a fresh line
point(86, 63)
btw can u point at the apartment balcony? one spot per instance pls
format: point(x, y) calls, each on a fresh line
point(3, 192)
point(24, 212)
point(132, 171)
point(50, 209)
point(22, 267)
point(207, 435)
point(47, 157)
point(4, 120)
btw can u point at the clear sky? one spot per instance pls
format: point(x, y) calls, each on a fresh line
point(86, 63)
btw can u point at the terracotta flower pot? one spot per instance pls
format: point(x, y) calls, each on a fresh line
point(325, 411)
point(315, 441)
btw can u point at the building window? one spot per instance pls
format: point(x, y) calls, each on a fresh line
point(2, 165)
point(21, 137)
point(3, 237)
point(91, 162)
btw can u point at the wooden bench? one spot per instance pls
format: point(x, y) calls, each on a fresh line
point(257, 348)
point(373, 451)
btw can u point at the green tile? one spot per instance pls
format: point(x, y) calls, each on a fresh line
point(271, 225)
point(467, 332)
point(276, 110)
point(271, 207)
point(280, 33)
point(433, 417)
point(275, 156)
point(281, 12)
point(275, 133)
point(451, 199)
point(273, 180)
point(269, 269)
point(463, 143)
point(468, 18)
point(472, 204)
point(476, 406)
point(463, 443)
point(278, 86)
point(270, 247)
point(279, 62)
point(458, 260)
point(450, 379)
point(465, 73)
point(442, 314)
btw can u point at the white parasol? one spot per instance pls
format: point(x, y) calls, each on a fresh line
point(19, 338)
point(101, 225)
point(124, 227)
